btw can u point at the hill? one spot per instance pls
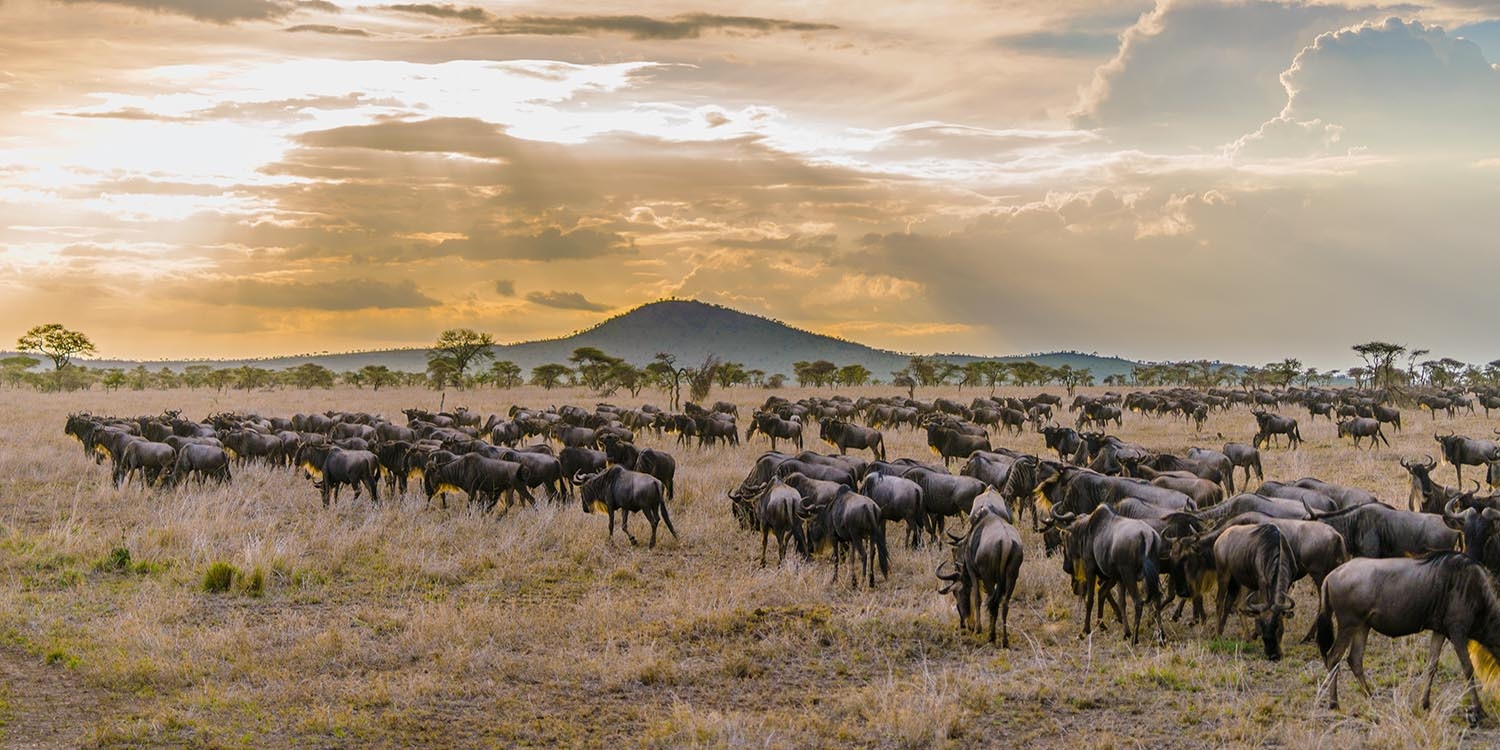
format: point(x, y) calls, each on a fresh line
point(691, 330)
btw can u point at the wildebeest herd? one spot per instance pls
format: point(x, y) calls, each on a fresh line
point(1134, 528)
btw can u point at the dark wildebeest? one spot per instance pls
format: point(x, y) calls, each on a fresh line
point(1243, 456)
point(1105, 549)
point(542, 469)
point(204, 461)
point(950, 443)
point(844, 435)
point(153, 461)
point(1427, 495)
point(778, 511)
point(987, 563)
point(1270, 425)
point(1362, 427)
point(851, 523)
point(945, 495)
point(1378, 530)
point(1064, 440)
point(1389, 415)
point(574, 460)
point(659, 464)
point(1446, 593)
point(1260, 559)
point(1462, 451)
point(481, 478)
point(900, 499)
point(331, 467)
point(618, 488)
point(775, 428)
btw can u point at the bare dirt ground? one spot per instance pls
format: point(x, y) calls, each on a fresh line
point(405, 625)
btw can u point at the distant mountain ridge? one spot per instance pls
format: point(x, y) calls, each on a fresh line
point(689, 329)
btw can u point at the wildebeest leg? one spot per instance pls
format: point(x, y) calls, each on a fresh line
point(866, 548)
point(1229, 593)
point(1476, 707)
point(1088, 604)
point(992, 605)
point(1357, 659)
point(651, 518)
point(666, 518)
point(780, 549)
point(1434, 650)
point(1130, 587)
point(611, 524)
point(765, 538)
point(625, 526)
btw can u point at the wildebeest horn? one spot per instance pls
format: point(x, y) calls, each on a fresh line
point(1063, 517)
point(579, 477)
point(954, 576)
point(954, 538)
point(1404, 464)
point(1431, 463)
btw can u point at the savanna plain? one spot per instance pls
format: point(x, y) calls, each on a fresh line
point(403, 625)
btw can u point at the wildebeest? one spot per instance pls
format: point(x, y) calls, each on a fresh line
point(1270, 425)
point(482, 478)
point(1242, 456)
point(1427, 495)
point(778, 511)
point(153, 461)
point(1103, 549)
point(850, 522)
point(332, 467)
point(1362, 427)
point(950, 443)
point(203, 462)
point(618, 488)
point(1259, 559)
point(775, 428)
point(571, 461)
point(987, 563)
point(844, 435)
point(945, 495)
point(900, 499)
point(1064, 440)
point(1446, 593)
point(1378, 530)
point(1463, 451)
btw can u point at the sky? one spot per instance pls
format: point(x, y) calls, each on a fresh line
point(1179, 179)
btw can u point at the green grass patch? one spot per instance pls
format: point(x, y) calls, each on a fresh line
point(219, 577)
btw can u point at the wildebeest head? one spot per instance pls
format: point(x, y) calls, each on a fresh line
point(593, 488)
point(957, 584)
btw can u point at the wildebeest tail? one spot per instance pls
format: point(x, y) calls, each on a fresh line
point(1152, 575)
point(880, 548)
point(666, 516)
point(1323, 626)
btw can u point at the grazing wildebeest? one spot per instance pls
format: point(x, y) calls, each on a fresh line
point(1064, 440)
point(950, 443)
point(1260, 559)
point(618, 488)
point(482, 478)
point(778, 511)
point(987, 563)
point(1447, 593)
point(851, 523)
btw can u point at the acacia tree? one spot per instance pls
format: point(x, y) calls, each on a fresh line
point(455, 349)
point(550, 375)
point(1380, 356)
point(56, 343)
point(505, 374)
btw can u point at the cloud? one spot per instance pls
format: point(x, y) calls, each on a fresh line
point(213, 11)
point(685, 26)
point(505, 287)
point(1380, 86)
point(565, 301)
point(1060, 43)
point(341, 295)
point(322, 28)
point(550, 244)
point(1197, 74)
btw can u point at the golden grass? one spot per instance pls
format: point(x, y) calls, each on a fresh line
point(402, 625)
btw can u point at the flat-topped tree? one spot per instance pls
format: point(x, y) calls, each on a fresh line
point(56, 343)
point(455, 350)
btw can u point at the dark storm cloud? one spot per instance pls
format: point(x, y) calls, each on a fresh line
point(565, 301)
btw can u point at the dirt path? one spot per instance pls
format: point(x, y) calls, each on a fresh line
point(46, 705)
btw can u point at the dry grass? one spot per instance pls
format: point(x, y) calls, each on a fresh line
point(404, 625)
